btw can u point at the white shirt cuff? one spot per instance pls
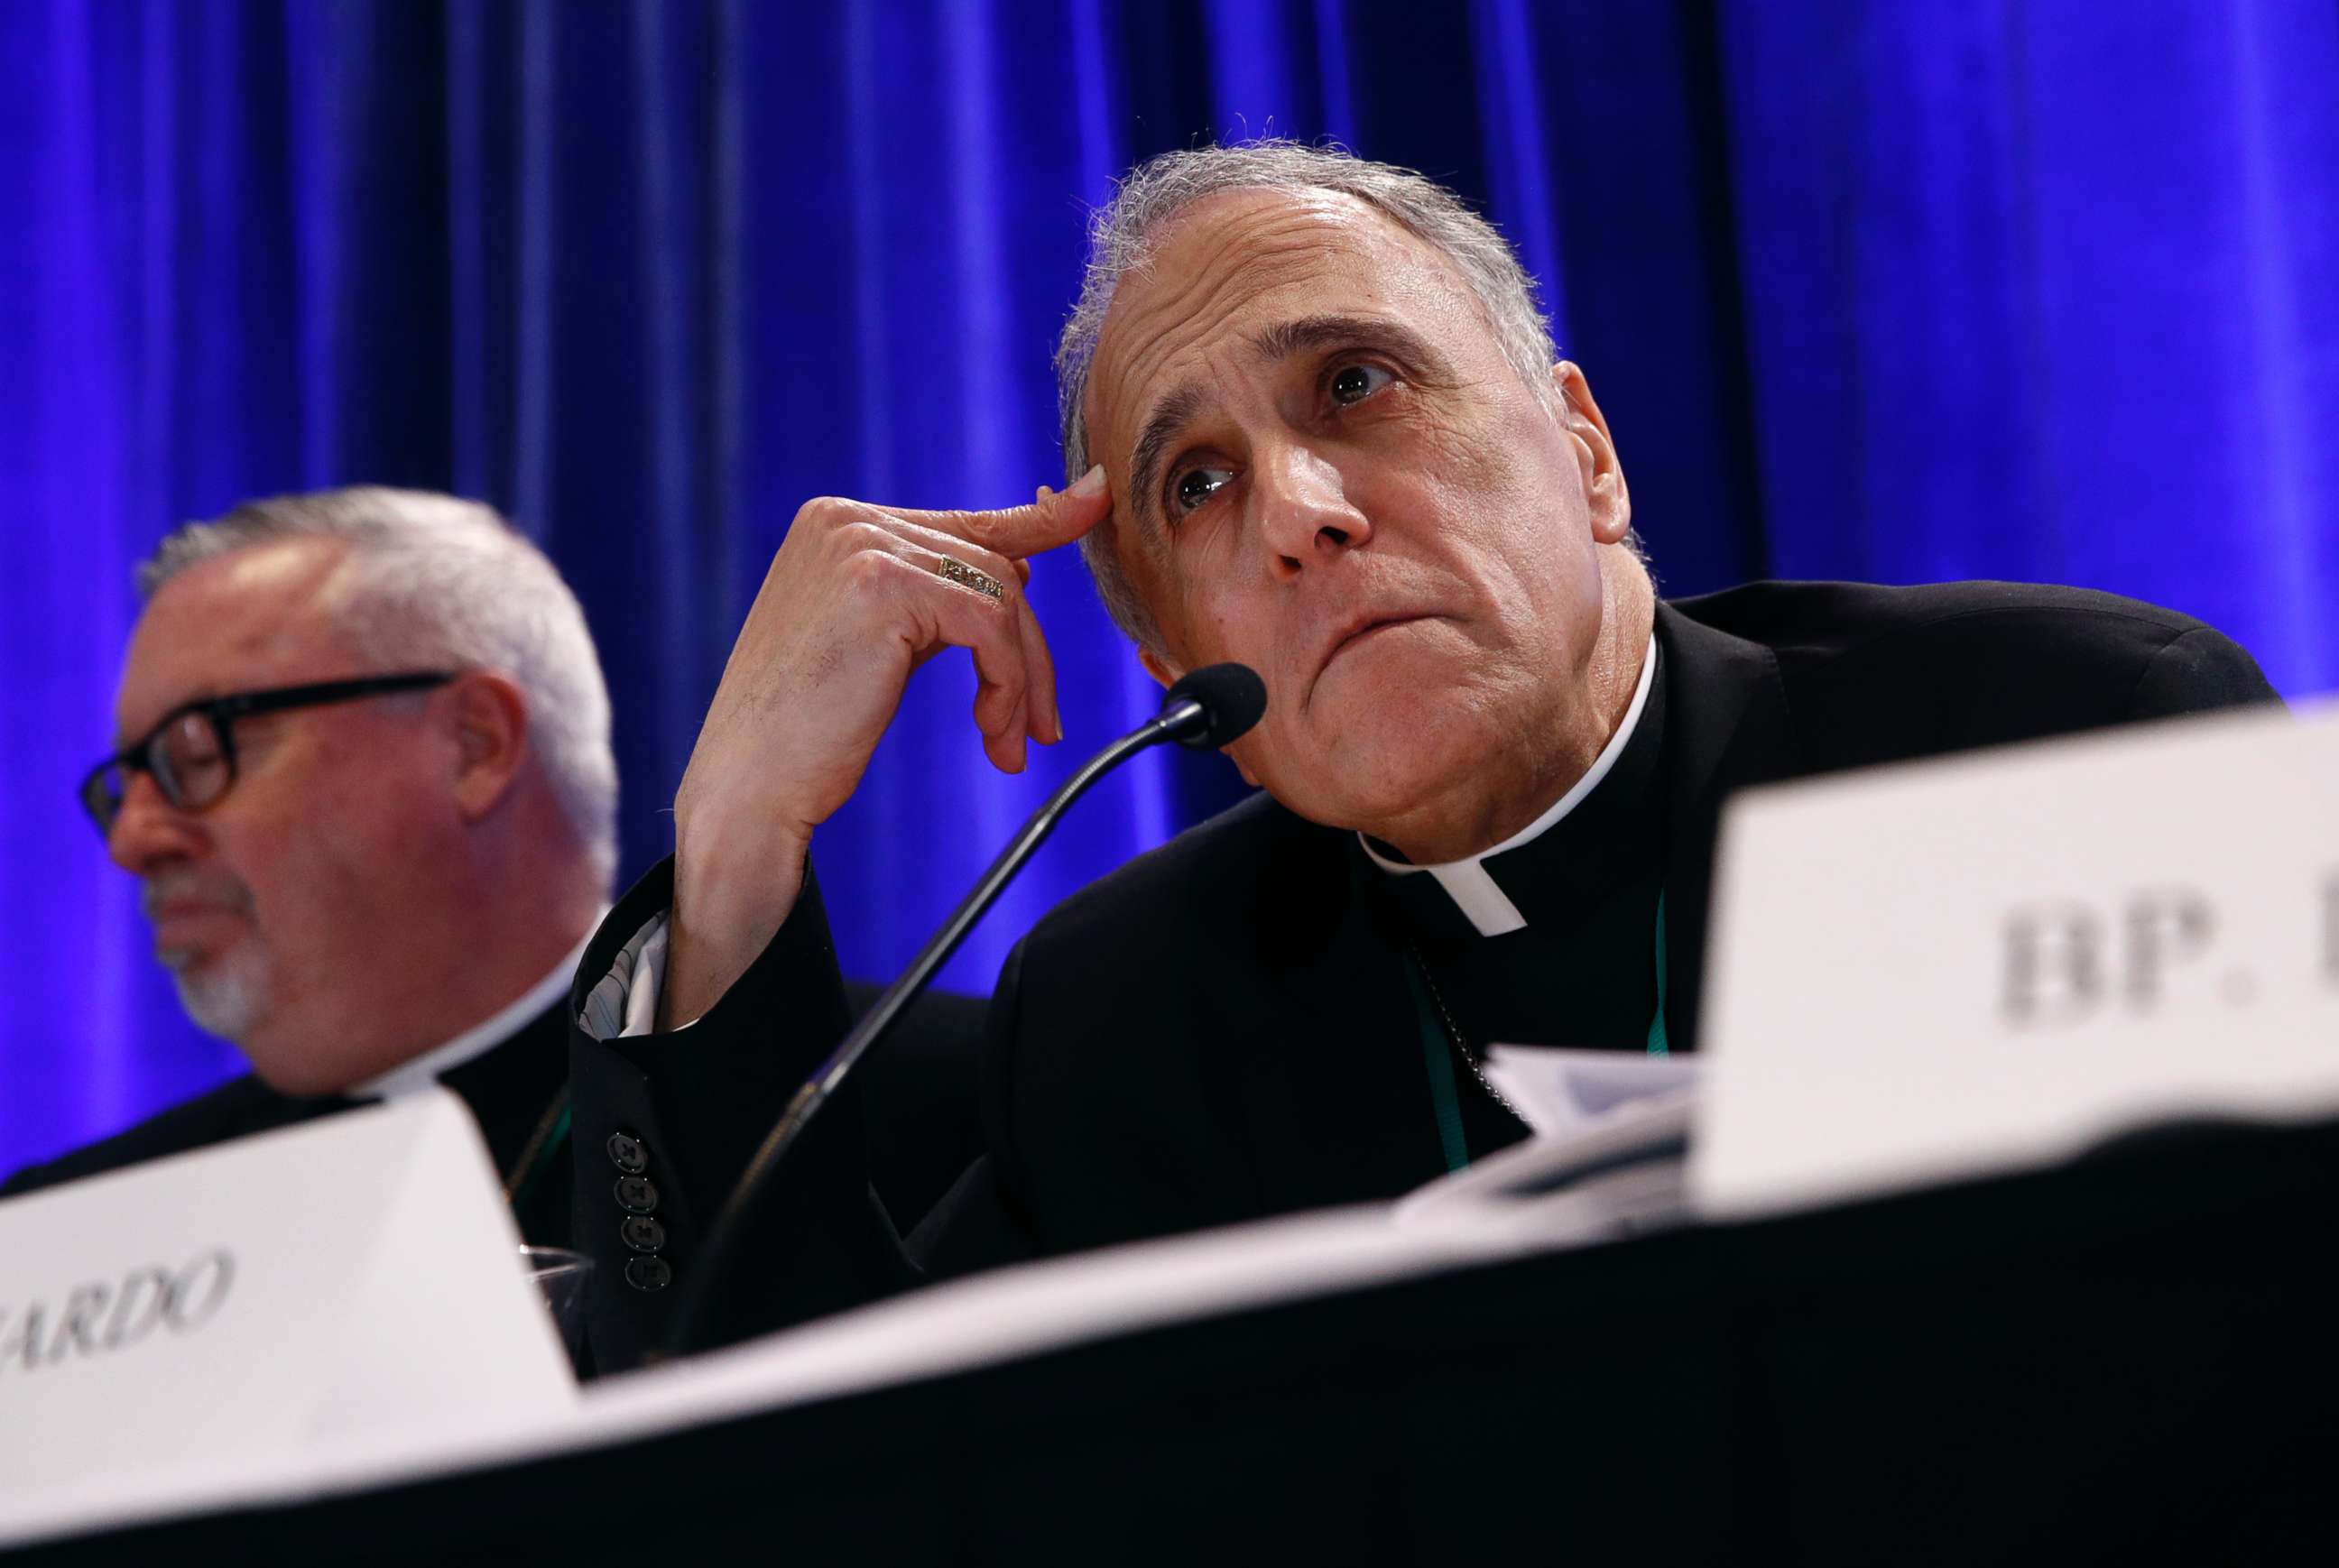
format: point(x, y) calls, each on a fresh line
point(623, 1004)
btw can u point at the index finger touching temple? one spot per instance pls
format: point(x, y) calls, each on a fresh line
point(1053, 518)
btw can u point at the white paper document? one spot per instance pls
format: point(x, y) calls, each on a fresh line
point(1560, 1092)
point(1607, 1160)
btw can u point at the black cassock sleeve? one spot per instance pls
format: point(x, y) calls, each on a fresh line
point(665, 1122)
point(683, 1110)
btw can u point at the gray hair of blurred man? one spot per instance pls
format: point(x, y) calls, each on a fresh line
point(1120, 241)
point(437, 581)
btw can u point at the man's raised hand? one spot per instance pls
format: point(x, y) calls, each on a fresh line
point(855, 600)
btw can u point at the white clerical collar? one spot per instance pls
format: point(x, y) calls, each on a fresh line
point(1468, 882)
point(421, 1073)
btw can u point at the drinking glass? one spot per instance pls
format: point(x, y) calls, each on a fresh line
point(559, 1276)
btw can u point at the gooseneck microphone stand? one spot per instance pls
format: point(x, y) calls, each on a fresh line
point(1207, 708)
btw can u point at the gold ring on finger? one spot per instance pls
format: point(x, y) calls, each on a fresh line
point(966, 577)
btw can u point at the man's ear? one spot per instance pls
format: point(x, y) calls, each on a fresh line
point(489, 713)
point(1610, 503)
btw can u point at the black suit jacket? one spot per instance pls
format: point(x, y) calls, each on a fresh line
point(1220, 1030)
point(507, 1088)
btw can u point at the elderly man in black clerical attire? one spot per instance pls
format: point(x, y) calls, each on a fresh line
point(1314, 423)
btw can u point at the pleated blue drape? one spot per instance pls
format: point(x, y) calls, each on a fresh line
point(1891, 289)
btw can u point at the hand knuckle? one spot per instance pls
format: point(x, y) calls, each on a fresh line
point(820, 510)
point(864, 534)
point(868, 572)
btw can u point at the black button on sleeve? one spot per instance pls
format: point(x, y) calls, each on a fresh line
point(628, 1154)
point(642, 1234)
point(636, 1194)
point(648, 1273)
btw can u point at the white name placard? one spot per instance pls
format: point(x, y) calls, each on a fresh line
point(1949, 967)
point(244, 1302)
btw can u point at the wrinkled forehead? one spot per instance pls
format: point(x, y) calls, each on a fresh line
point(1238, 261)
point(248, 620)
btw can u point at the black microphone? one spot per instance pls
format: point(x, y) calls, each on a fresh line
point(1210, 707)
point(1207, 708)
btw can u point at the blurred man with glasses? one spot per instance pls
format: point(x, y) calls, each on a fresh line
point(365, 783)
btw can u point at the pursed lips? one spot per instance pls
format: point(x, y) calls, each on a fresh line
point(172, 918)
point(180, 939)
point(191, 908)
point(1354, 630)
point(172, 900)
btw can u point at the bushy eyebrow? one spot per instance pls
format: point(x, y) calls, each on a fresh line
point(1286, 339)
point(1283, 340)
point(1171, 415)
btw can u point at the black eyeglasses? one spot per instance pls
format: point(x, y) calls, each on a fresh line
point(190, 754)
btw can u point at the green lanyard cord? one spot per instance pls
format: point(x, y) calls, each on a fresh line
point(1658, 1045)
point(1438, 1048)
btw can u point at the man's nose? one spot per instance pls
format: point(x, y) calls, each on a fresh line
point(1305, 515)
point(148, 829)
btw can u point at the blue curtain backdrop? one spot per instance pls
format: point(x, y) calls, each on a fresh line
point(1903, 289)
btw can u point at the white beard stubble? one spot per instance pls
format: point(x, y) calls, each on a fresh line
point(229, 996)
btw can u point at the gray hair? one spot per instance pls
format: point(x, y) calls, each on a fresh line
point(441, 581)
point(1120, 237)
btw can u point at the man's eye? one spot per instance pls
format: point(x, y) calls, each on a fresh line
point(191, 741)
point(1195, 486)
point(1355, 383)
